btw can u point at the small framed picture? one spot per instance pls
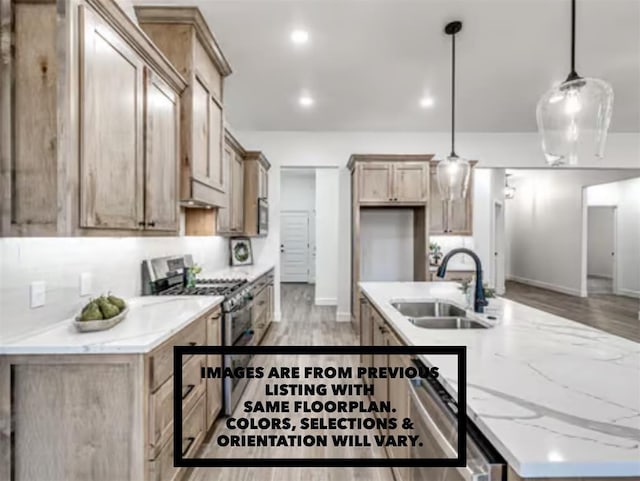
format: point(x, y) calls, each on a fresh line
point(241, 252)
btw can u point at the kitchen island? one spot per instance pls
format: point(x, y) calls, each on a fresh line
point(556, 398)
point(99, 405)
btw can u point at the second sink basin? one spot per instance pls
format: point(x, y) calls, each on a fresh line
point(435, 308)
point(447, 323)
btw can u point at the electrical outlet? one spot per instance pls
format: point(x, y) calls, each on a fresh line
point(86, 279)
point(38, 294)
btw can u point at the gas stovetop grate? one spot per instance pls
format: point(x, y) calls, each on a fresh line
point(206, 287)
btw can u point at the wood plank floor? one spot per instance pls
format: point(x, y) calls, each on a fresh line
point(302, 324)
point(613, 314)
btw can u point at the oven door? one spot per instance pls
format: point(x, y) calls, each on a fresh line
point(263, 216)
point(436, 424)
point(239, 333)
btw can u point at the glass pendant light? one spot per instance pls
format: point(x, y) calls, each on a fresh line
point(453, 172)
point(573, 118)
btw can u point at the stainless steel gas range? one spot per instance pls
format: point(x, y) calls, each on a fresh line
point(167, 276)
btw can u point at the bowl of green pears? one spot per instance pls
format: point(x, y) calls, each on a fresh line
point(101, 313)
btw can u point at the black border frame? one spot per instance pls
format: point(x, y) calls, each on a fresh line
point(180, 461)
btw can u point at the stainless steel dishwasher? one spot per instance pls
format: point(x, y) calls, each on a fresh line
point(435, 418)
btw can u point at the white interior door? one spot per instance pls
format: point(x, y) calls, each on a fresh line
point(294, 246)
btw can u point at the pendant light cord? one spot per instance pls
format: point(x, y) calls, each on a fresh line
point(573, 75)
point(453, 94)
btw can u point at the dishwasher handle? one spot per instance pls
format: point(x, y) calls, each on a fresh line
point(436, 432)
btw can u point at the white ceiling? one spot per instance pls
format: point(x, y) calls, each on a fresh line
point(368, 62)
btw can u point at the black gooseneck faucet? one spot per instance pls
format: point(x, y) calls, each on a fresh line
point(479, 301)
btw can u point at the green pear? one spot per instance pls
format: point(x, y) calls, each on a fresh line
point(108, 310)
point(91, 313)
point(116, 301)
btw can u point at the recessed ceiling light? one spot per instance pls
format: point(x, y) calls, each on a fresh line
point(305, 100)
point(299, 37)
point(426, 102)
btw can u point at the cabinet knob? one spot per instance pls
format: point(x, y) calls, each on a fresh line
point(151, 224)
point(141, 223)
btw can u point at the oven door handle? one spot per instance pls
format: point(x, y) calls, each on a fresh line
point(246, 338)
point(438, 436)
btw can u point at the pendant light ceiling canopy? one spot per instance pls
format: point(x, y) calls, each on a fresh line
point(573, 118)
point(453, 172)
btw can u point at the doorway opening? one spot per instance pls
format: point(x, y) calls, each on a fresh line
point(499, 257)
point(601, 250)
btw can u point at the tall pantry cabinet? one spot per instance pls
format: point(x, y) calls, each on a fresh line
point(90, 125)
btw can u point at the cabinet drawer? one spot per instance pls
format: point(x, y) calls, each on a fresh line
point(161, 402)
point(193, 428)
point(162, 468)
point(260, 305)
point(161, 362)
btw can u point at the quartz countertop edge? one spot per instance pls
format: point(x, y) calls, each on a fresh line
point(151, 321)
point(555, 397)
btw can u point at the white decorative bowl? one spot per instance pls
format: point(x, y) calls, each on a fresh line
point(101, 324)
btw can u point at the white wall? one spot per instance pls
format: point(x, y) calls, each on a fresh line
point(327, 189)
point(625, 195)
point(332, 149)
point(114, 264)
point(545, 222)
point(298, 190)
point(600, 241)
point(386, 244)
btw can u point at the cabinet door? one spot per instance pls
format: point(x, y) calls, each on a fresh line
point(366, 334)
point(437, 211)
point(214, 386)
point(111, 99)
point(208, 137)
point(410, 182)
point(270, 304)
point(375, 179)
point(399, 399)
point(380, 385)
point(263, 180)
point(161, 156)
point(237, 194)
point(216, 145)
point(224, 213)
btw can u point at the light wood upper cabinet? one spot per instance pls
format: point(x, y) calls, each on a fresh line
point(375, 182)
point(183, 35)
point(231, 218)
point(92, 149)
point(450, 217)
point(410, 182)
point(162, 110)
point(387, 179)
point(111, 160)
point(237, 193)
point(256, 180)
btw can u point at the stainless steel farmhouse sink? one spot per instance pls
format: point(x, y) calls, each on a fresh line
point(437, 314)
point(435, 308)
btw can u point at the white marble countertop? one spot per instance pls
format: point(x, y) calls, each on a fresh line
point(251, 273)
point(556, 398)
point(150, 321)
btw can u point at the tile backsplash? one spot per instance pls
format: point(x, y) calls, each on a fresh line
point(448, 243)
point(113, 264)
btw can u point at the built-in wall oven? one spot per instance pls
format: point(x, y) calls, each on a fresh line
point(434, 414)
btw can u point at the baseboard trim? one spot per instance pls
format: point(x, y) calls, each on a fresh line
point(545, 285)
point(326, 301)
point(629, 293)
point(343, 317)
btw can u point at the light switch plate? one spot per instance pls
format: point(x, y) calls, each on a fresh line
point(86, 281)
point(38, 294)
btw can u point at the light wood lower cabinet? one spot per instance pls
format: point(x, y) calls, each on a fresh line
point(380, 385)
point(105, 417)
